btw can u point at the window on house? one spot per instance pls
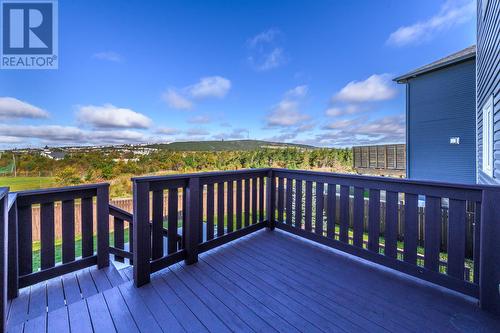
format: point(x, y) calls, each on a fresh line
point(488, 137)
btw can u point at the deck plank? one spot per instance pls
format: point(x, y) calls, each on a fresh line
point(101, 281)
point(55, 294)
point(18, 312)
point(404, 297)
point(71, 288)
point(79, 318)
point(349, 307)
point(164, 317)
point(239, 308)
point(200, 310)
point(99, 314)
point(36, 325)
point(119, 311)
point(143, 318)
point(305, 291)
point(181, 312)
point(266, 314)
point(281, 307)
point(38, 300)
point(58, 321)
point(114, 277)
point(225, 314)
point(313, 312)
point(86, 283)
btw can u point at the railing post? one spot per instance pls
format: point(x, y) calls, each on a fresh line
point(489, 269)
point(103, 226)
point(3, 257)
point(142, 234)
point(13, 272)
point(192, 221)
point(271, 199)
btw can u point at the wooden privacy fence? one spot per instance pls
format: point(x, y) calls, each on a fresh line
point(380, 159)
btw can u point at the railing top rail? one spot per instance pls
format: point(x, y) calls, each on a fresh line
point(198, 174)
point(3, 191)
point(471, 187)
point(58, 193)
point(120, 213)
point(65, 189)
point(12, 199)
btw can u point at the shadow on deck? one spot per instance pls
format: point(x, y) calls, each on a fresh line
point(266, 281)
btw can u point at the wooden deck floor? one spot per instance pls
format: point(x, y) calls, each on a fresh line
point(265, 282)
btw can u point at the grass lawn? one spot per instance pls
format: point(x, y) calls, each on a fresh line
point(27, 183)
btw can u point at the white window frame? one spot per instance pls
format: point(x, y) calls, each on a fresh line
point(488, 137)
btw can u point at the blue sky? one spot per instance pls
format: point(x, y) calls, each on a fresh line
point(315, 72)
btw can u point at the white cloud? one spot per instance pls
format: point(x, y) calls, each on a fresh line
point(176, 100)
point(206, 87)
point(377, 87)
point(337, 111)
point(287, 112)
point(196, 132)
point(298, 92)
point(110, 116)
point(361, 131)
point(265, 50)
point(13, 108)
point(108, 55)
point(70, 135)
point(10, 140)
point(167, 131)
point(212, 86)
point(452, 13)
point(235, 134)
point(199, 120)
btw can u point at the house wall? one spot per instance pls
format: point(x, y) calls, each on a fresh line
point(441, 105)
point(488, 81)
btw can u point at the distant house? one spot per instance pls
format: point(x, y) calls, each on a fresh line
point(441, 119)
point(53, 155)
point(488, 92)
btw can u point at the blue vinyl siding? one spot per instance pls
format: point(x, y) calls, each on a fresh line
point(441, 105)
point(488, 82)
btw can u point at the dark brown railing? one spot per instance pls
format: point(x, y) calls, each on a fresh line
point(393, 222)
point(234, 207)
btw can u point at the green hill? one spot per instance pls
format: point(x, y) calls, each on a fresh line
point(230, 145)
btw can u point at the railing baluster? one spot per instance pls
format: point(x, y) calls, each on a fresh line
point(331, 208)
point(254, 200)
point(119, 241)
point(289, 201)
point(456, 239)
point(173, 219)
point(344, 214)
point(298, 203)
point(281, 199)
point(193, 219)
point(68, 231)
point(25, 239)
point(432, 232)
point(477, 241)
point(47, 235)
point(220, 209)
point(3, 257)
point(157, 227)
point(261, 199)
point(210, 211)
point(391, 224)
point(239, 210)
point(374, 220)
point(13, 253)
point(410, 228)
point(230, 207)
point(271, 199)
point(358, 216)
point(308, 207)
point(246, 199)
point(320, 202)
point(87, 213)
